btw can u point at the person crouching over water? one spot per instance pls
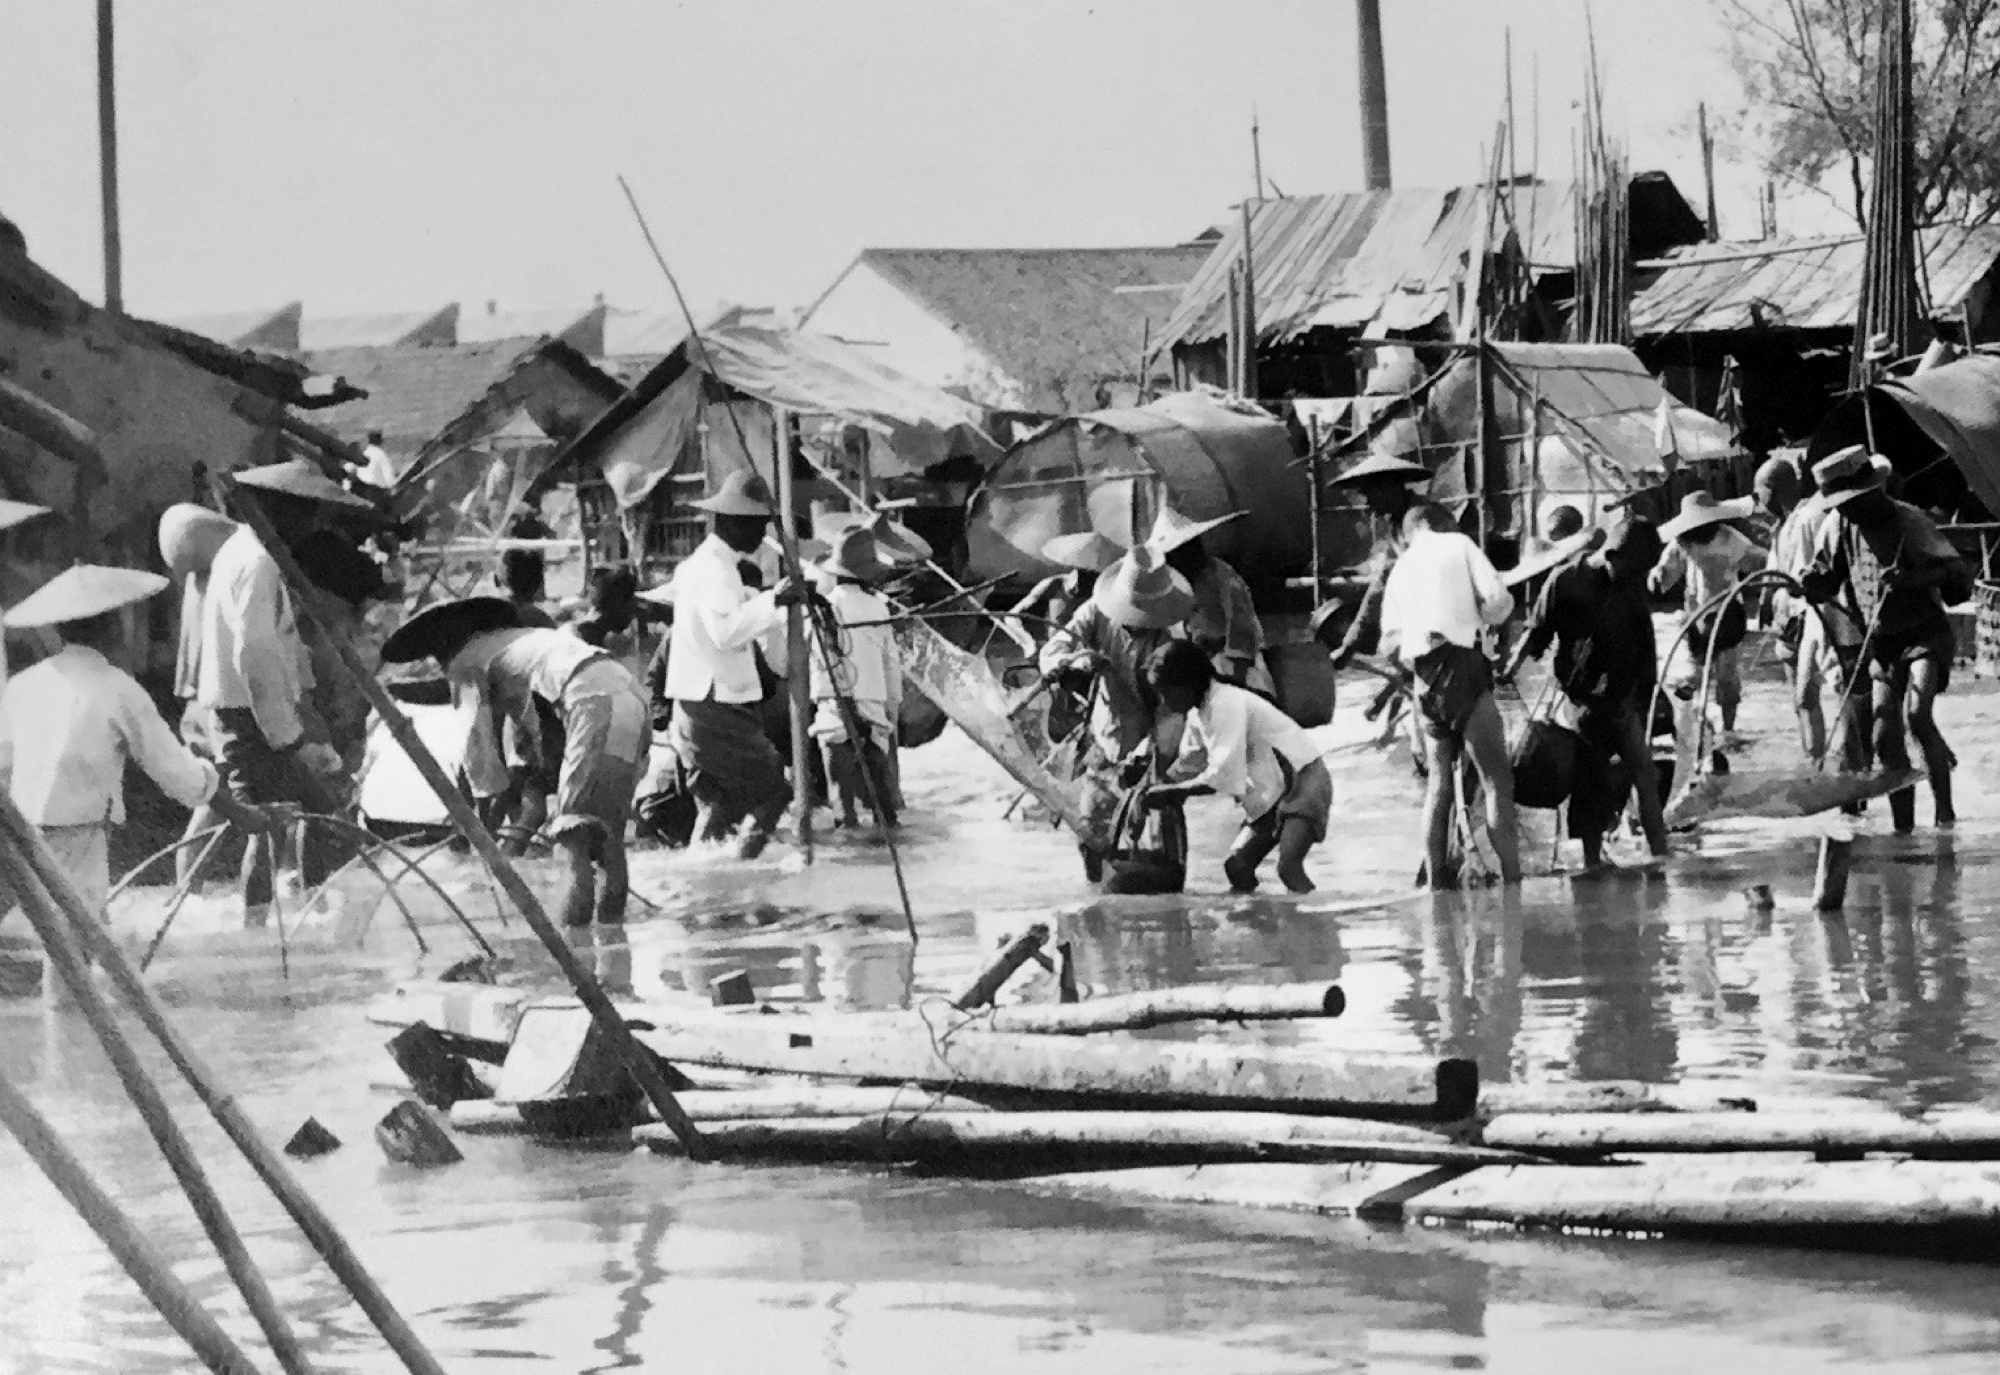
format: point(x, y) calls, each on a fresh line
point(498, 670)
point(1437, 603)
point(1251, 752)
point(70, 724)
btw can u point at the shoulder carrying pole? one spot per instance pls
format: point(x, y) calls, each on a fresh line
point(637, 1059)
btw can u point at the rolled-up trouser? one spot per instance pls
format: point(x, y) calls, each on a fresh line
point(261, 776)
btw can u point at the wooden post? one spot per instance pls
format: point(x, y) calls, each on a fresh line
point(586, 987)
point(134, 1252)
point(1708, 168)
point(50, 924)
point(798, 675)
point(1830, 879)
point(1484, 383)
point(1314, 471)
point(107, 160)
point(1249, 346)
point(1233, 340)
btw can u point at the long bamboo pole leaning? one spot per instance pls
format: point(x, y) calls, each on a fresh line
point(35, 891)
point(121, 1236)
point(798, 674)
point(16, 832)
point(636, 1058)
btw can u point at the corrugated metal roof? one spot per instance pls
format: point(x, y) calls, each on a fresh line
point(478, 325)
point(277, 328)
point(1802, 284)
point(436, 327)
point(1346, 260)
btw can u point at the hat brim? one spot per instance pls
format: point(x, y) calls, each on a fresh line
point(77, 594)
point(13, 513)
point(1382, 468)
point(1719, 514)
point(1089, 551)
point(438, 632)
point(306, 487)
point(1553, 557)
point(1157, 612)
point(1167, 541)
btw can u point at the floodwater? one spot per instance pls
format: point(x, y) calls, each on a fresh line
point(528, 1257)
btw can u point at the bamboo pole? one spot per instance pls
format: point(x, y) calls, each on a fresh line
point(107, 160)
point(34, 892)
point(586, 987)
point(269, 1166)
point(1166, 1006)
point(798, 676)
point(1248, 355)
point(121, 1236)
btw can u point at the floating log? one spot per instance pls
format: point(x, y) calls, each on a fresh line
point(1137, 1011)
point(1606, 1095)
point(409, 1135)
point(1018, 952)
point(311, 1139)
point(1041, 1138)
point(439, 1075)
point(1100, 1074)
point(744, 1105)
point(1952, 1136)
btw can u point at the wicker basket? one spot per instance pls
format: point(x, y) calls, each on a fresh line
point(1986, 628)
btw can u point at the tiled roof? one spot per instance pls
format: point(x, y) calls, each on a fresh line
point(1047, 316)
point(414, 392)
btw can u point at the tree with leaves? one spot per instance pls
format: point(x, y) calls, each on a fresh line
point(1808, 71)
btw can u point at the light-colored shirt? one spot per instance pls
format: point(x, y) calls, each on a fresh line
point(716, 621)
point(67, 727)
point(1705, 570)
point(1442, 588)
point(495, 677)
point(251, 652)
point(1792, 549)
point(865, 665)
point(1249, 748)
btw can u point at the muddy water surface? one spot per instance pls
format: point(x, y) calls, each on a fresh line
point(532, 1258)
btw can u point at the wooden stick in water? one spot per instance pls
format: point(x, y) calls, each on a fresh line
point(147, 1267)
point(1017, 953)
point(47, 917)
point(644, 1071)
point(16, 835)
point(1137, 1011)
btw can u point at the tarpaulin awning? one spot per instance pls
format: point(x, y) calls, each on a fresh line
point(654, 430)
point(1953, 409)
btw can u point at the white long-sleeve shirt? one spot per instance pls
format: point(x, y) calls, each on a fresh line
point(870, 670)
point(251, 652)
point(1442, 587)
point(1241, 738)
point(495, 676)
point(67, 727)
point(716, 621)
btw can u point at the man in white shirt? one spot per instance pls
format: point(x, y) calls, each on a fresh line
point(717, 732)
point(862, 667)
point(255, 672)
point(377, 469)
point(1241, 746)
point(69, 725)
point(1440, 598)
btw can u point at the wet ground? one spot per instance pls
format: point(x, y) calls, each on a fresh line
point(532, 1258)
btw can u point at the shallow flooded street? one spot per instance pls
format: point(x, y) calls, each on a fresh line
point(531, 1257)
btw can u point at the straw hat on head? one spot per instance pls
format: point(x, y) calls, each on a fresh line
point(190, 535)
point(741, 494)
point(77, 594)
point(12, 513)
point(1841, 468)
point(856, 557)
point(438, 632)
point(1171, 529)
point(1382, 466)
point(1554, 556)
point(1089, 551)
point(1699, 510)
point(1140, 592)
point(1871, 476)
point(302, 478)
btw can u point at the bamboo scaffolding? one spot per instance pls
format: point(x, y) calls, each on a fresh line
point(121, 1236)
point(34, 891)
point(18, 837)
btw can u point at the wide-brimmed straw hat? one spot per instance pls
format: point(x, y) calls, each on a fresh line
point(1841, 468)
point(301, 477)
point(1699, 509)
point(1382, 466)
point(1171, 529)
point(77, 594)
point(741, 494)
point(894, 541)
point(856, 556)
point(438, 632)
point(1089, 551)
point(1553, 556)
point(190, 536)
point(1140, 592)
point(12, 513)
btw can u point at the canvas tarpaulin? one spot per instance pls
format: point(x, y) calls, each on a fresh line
point(910, 425)
point(1957, 406)
point(1110, 471)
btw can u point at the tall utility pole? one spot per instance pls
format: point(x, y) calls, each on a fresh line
point(1374, 96)
point(107, 160)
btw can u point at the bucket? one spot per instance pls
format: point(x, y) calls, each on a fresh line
point(1304, 677)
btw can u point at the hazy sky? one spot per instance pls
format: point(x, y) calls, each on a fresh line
point(399, 154)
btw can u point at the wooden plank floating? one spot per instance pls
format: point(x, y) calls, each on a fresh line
point(1606, 1095)
point(1138, 1011)
point(1000, 1139)
point(1156, 1074)
point(1018, 952)
point(745, 1105)
point(1953, 1136)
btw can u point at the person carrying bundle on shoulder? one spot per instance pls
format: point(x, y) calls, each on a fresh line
point(1241, 746)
